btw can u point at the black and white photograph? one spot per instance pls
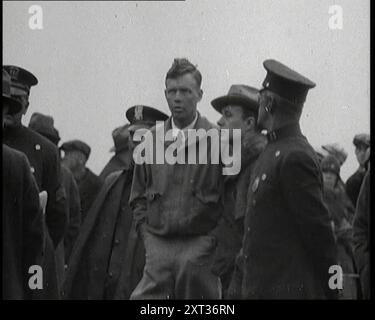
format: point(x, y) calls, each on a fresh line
point(213, 151)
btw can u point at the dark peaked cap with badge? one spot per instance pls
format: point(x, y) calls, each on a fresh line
point(14, 105)
point(76, 145)
point(141, 115)
point(22, 80)
point(44, 125)
point(238, 94)
point(286, 82)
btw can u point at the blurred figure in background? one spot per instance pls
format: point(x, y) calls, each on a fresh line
point(333, 197)
point(76, 154)
point(121, 159)
point(108, 259)
point(361, 235)
point(353, 184)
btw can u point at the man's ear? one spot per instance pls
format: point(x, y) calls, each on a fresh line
point(200, 94)
point(250, 123)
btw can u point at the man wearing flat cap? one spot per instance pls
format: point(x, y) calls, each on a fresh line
point(362, 152)
point(44, 125)
point(122, 157)
point(289, 244)
point(239, 110)
point(43, 157)
point(23, 231)
point(76, 154)
point(108, 245)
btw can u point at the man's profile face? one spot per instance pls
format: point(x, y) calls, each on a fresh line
point(329, 179)
point(15, 119)
point(361, 154)
point(183, 94)
point(74, 159)
point(232, 117)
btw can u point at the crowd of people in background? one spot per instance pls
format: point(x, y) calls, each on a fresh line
point(184, 231)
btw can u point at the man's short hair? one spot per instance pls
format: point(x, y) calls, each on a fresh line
point(183, 66)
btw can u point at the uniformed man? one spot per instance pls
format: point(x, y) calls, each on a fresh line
point(107, 261)
point(41, 153)
point(353, 184)
point(288, 244)
point(43, 157)
point(239, 110)
point(76, 154)
point(44, 125)
point(23, 232)
point(122, 157)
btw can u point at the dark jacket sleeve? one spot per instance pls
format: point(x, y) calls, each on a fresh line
point(56, 211)
point(361, 234)
point(33, 230)
point(138, 198)
point(302, 188)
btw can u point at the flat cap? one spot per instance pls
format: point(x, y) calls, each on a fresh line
point(286, 82)
point(76, 145)
point(14, 105)
point(120, 137)
point(361, 139)
point(238, 94)
point(22, 79)
point(144, 115)
point(44, 125)
point(337, 151)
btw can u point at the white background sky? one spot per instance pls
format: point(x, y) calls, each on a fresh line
point(96, 59)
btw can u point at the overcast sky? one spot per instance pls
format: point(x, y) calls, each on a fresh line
point(96, 59)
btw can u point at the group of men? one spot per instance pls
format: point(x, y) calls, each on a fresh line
point(184, 230)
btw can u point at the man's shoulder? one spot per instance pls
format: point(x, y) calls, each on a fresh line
point(204, 123)
point(13, 155)
point(34, 137)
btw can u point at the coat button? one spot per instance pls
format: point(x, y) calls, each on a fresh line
point(110, 274)
point(264, 176)
point(248, 229)
point(37, 147)
point(254, 203)
point(277, 153)
point(117, 241)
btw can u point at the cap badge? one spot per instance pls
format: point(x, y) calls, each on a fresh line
point(138, 113)
point(13, 72)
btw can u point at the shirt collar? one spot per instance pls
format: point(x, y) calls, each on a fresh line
point(190, 126)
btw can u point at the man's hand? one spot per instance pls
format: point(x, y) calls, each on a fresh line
point(43, 197)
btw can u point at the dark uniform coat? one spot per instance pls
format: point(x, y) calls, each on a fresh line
point(74, 206)
point(45, 165)
point(44, 160)
point(23, 231)
point(89, 186)
point(289, 243)
point(108, 257)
